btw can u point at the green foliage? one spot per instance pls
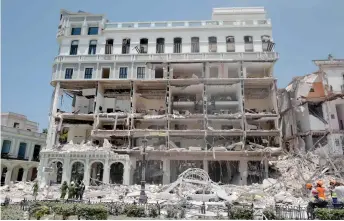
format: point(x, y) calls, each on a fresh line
point(241, 213)
point(64, 209)
point(41, 211)
point(92, 212)
point(11, 212)
point(134, 211)
point(153, 212)
point(329, 214)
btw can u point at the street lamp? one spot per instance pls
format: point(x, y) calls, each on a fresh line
point(143, 196)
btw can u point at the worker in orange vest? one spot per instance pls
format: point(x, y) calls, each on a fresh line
point(321, 190)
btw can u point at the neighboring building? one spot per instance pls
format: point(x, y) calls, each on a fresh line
point(314, 108)
point(21, 146)
point(202, 93)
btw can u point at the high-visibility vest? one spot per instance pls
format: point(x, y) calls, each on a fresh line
point(321, 192)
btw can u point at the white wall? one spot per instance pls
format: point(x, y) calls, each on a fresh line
point(8, 119)
point(335, 76)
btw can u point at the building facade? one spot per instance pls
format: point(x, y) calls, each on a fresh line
point(21, 145)
point(314, 112)
point(194, 93)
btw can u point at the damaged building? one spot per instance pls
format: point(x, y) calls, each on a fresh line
point(187, 94)
point(312, 109)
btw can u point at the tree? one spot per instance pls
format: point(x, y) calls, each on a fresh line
point(45, 131)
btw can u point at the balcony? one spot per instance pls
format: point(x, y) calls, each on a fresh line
point(185, 24)
point(7, 156)
point(179, 57)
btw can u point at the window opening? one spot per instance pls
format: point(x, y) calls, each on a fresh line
point(123, 72)
point(195, 44)
point(92, 47)
point(140, 73)
point(74, 47)
point(69, 73)
point(88, 73)
point(106, 73)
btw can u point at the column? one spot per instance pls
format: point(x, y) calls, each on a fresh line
point(132, 169)
point(205, 166)
point(126, 174)
point(41, 176)
point(99, 98)
point(66, 169)
point(87, 172)
point(243, 169)
point(266, 169)
point(166, 169)
point(26, 170)
point(52, 129)
point(106, 174)
point(8, 175)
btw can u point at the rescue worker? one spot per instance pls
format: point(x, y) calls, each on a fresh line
point(64, 189)
point(77, 190)
point(71, 190)
point(321, 190)
point(337, 192)
point(82, 189)
point(317, 196)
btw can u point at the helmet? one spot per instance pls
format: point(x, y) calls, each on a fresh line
point(309, 186)
point(320, 183)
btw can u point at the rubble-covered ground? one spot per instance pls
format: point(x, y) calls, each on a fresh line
point(290, 173)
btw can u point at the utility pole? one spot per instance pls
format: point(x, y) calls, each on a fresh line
point(143, 196)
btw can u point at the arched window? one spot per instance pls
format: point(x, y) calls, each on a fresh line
point(230, 43)
point(195, 45)
point(144, 45)
point(160, 45)
point(212, 44)
point(248, 43)
point(74, 47)
point(92, 47)
point(109, 46)
point(177, 45)
point(126, 46)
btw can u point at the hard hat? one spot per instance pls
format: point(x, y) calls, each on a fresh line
point(320, 182)
point(309, 186)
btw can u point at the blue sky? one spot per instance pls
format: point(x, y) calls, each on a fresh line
point(302, 29)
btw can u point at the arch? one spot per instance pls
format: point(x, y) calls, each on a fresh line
point(96, 173)
point(77, 171)
point(177, 45)
point(58, 171)
point(17, 173)
point(32, 174)
point(116, 173)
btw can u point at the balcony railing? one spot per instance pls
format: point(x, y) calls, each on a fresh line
point(179, 24)
point(236, 56)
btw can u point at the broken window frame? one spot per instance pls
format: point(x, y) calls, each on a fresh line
point(212, 44)
point(123, 73)
point(126, 46)
point(140, 72)
point(177, 45)
point(74, 47)
point(92, 48)
point(108, 46)
point(88, 73)
point(230, 44)
point(160, 45)
point(69, 73)
point(195, 45)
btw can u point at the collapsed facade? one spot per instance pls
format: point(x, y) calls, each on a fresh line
point(204, 97)
point(21, 145)
point(312, 109)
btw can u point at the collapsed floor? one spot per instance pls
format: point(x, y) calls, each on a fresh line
point(289, 175)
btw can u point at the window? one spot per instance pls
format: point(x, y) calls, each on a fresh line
point(36, 151)
point(74, 48)
point(106, 73)
point(143, 45)
point(230, 43)
point(22, 150)
point(160, 45)
point(92, 30)
point(177, 45)
point(88, 73)
point(125, 46)
point(140, 73)
point(212, 44)
point(123, 72)
point(248, 43)
point(311, 90)
point(109, 46)
point(92, 47)
point(195, 45)
point(16, 125)
point(76, 31)
point(6, 147)
point(69, 73)
point(267, 46)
